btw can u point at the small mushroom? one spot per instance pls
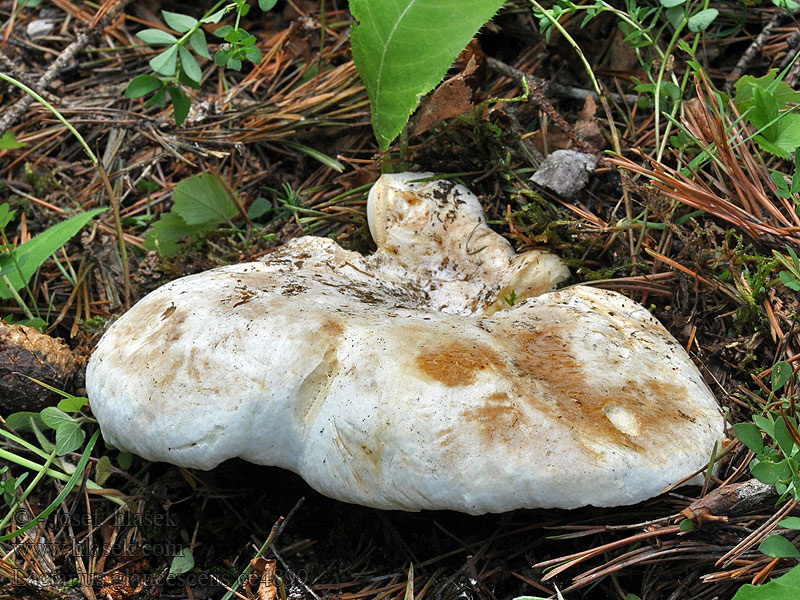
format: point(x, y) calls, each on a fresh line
point(440, 372)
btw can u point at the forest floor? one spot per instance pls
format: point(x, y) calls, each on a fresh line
point(687, 219)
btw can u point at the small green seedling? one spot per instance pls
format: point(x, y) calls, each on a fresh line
point(176, 66)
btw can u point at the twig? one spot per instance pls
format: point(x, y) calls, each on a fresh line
point(557, 89)
point(112, 8)
point(755, 47)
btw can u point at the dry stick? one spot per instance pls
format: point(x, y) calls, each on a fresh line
point(565, 91)
point(755, 47)
point(13, 114)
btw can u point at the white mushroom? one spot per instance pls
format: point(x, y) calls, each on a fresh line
point(409, 379)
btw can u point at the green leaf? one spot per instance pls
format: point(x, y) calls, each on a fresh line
point(202, 199)
point(23, 421)
point(69, 437)
point(784, 138)
point(72, 404)
point(39, 248)
point(766, 424)
point(234, 64)
point(785, 442)
point(402, 50)
point(9, 142)
point(789, 280)
point(259, 208)
point(54, 417)
point(6, 214)
point(252, 54)
point(780, 90)
point(233, 35)
point(142, 85)
point(179, 22)
point(770, 473)
point(198, 43)
point(183, 562)
point(750, 436)
point(158, 99)
point(671, 3)
point(102, 470)
point(180, 103)
point(223, 31)
point(686, 525)
point(778, 546)
point(790, 523)
point(785, 587)
point(156, 36)
point(266, 5)
point(780, 376)
point(165, 62)
point(214, 17)
point(125, 460)
point(189, 65)
point(164, 234)
point(701, 20)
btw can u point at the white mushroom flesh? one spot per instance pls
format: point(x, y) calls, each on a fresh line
point(409, 379)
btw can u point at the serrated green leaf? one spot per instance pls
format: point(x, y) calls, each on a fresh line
point(183, 562)
point(202, 199)
point(778, 546)
point(785, 587)
point(102, 470)
point(179, 22)
point(69, 437)
point(39, 248)
point(54, 417)
point(142, 85)
point(198, 43)
point(23, 421)
point(180, 103)
point(165, 62)
point(402, 50)
point(701, 20)
point(750, 436)
point(9, 142)
point(156, 36)
point(790, 523)
point(189, 65)
point(780, 90)
point(72, 403)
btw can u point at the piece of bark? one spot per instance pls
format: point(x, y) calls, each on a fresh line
point(733, 499)
point(26, 352)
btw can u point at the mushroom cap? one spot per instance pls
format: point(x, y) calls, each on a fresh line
point(403, 380)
